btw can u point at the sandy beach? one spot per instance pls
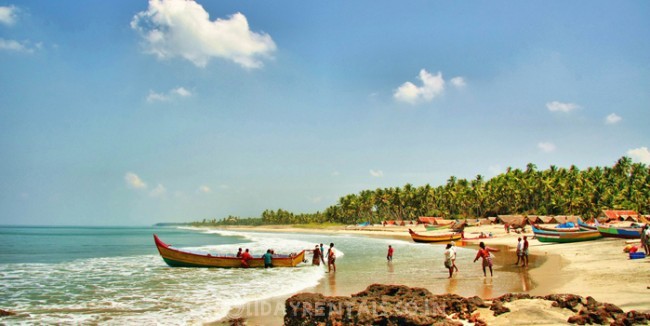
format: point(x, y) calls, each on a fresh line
point(597, 268)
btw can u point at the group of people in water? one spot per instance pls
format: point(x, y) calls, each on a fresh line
point(246, 256)
point(319, 256)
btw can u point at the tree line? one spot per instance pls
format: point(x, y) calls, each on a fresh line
point(554, 191)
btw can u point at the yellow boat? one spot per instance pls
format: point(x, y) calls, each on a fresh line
point(439, 237)
point(178, 258)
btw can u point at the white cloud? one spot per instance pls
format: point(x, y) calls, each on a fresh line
point(432, 86)
point(613, 119)
point(203, 189)
point(458, 82)
point(377, 173)
point(13, 45)
point(134, 181)
point(8, 15)
point(556, 106)
point(179, 28)
point(181, 91)
point(641, 154)
point(169, 95)
point(546, 147)
point(159, 191)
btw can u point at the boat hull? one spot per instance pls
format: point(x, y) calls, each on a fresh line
point(566, 237)
point(623, 233)
point(422, 238)
point(178, 258)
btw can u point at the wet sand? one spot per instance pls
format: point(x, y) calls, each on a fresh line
point(593, 268)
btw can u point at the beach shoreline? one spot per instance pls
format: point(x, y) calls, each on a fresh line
point(593, 268)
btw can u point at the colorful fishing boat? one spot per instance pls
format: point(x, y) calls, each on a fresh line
point(565, 237)
point(620, 232)
point(584, 225)
point(178, 258)
point(556, 229)
point(438, 227)
point(438, 237)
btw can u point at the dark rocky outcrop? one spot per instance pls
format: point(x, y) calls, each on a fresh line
point(380, 305)
point(402, 305)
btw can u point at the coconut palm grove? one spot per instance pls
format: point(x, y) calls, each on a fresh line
point(553, 191)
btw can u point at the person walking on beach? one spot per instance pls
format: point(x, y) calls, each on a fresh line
point(268, 259)
point(646, 243)
point(453, 256)
point(519, 250)
point(331, 258)
point(484, 253)
point(524, 253)
point(449, 253)
point(245, 257)
point(389, 256)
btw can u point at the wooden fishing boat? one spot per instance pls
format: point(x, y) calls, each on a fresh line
point(179, 258)
point(565, 237)
point(438, 227)
point(556, 229)
point(587, 226)
point(439, 237)
point(620, 232)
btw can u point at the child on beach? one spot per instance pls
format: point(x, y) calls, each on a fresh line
point(389, 256)
point(484, 253)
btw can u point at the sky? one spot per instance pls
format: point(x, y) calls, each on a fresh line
point(136, 112)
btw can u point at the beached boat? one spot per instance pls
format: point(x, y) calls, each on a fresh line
point(620, 232)
point(179, 258)
point(438, 227)
point(565, 237)
point(439, 237)
point(556, 229)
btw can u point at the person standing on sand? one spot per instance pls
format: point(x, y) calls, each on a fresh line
point(484, 253)
point(449, 253)
point(389, 256)
point(519, 250)
point(646, 243)
point(331, 258)
point(524, 253)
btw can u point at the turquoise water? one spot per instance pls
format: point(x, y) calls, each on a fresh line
point(115, 275)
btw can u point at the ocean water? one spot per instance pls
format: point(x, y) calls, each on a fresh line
point(55, 275)
point(115, 275)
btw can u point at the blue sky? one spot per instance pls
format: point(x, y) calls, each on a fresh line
point(135, 112)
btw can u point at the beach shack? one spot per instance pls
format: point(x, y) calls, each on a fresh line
point(618, 215)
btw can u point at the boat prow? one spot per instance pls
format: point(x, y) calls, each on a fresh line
point(179, 258)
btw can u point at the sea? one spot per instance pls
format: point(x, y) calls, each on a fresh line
point(114, 275)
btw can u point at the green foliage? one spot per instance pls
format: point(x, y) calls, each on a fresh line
point(555, 191)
